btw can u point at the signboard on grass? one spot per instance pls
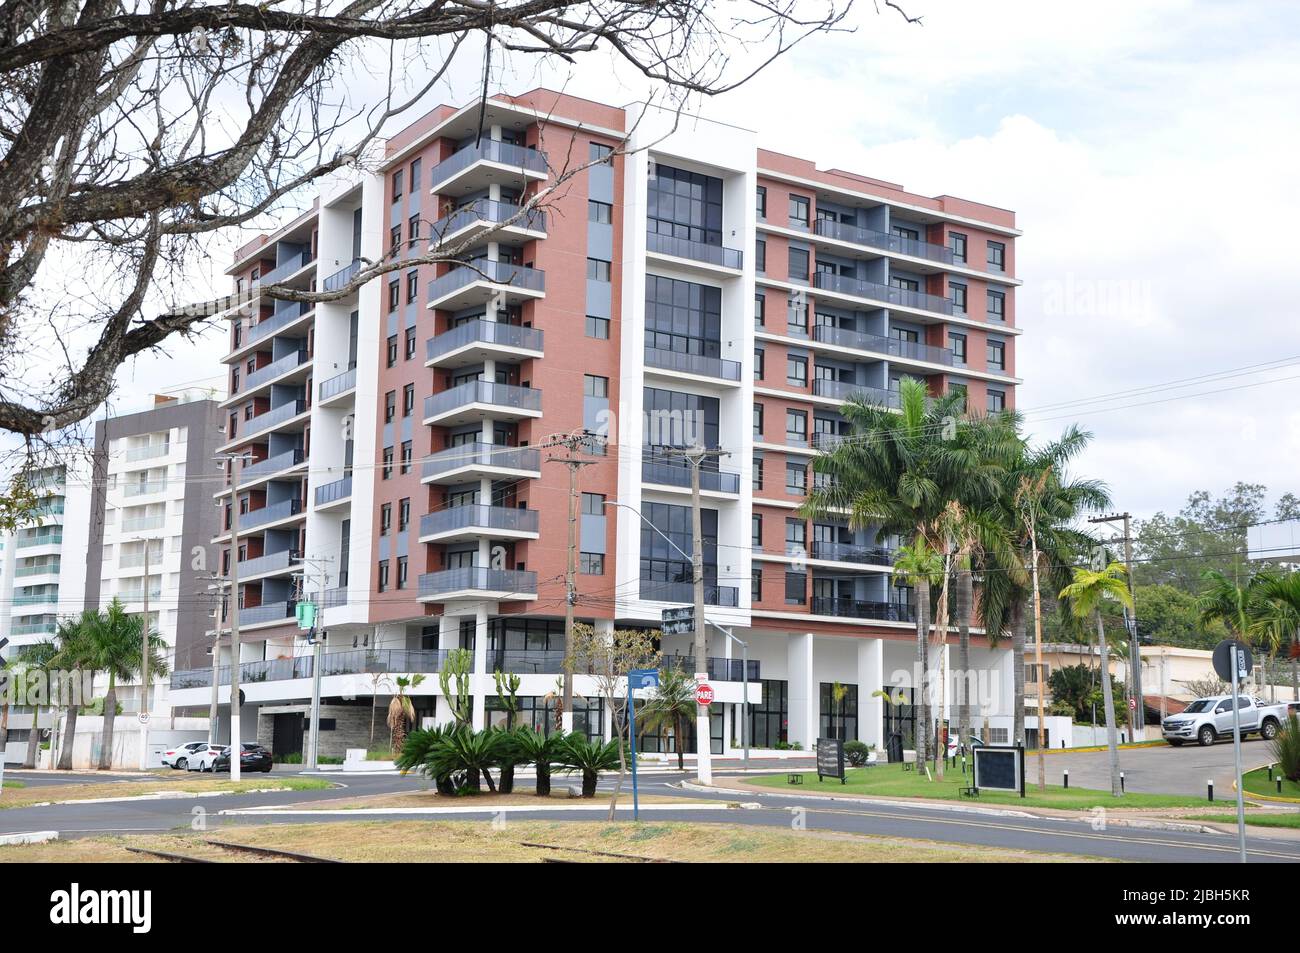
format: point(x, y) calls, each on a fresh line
point(999, 768)
point(830, 759)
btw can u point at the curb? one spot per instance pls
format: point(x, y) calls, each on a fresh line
point(880, 802)
point(30, 837)
point(469, 809)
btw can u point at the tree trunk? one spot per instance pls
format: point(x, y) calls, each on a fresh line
point(679, 742)
point(34, 739)
point(543, 779)
point(589, 783)
point(940, 741)
point(4, 732)
point(1018, 671)
point(66, 741)
point(965, 600)
point(506, 784)
point(920, 705)
point(1295, 677)
point(1108, 699)
point(110, 717)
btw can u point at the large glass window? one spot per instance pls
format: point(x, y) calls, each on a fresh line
point(685, 205)
point(675, 419)
point(839, 719)
point(769, 720)
point(683, 316)
point(666, 536)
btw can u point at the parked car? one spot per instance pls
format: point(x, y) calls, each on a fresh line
point(1206, 720)
point(180, 757)
point(205, 758)
point(252, 757)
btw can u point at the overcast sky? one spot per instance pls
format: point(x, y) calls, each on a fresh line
point(1145, 148)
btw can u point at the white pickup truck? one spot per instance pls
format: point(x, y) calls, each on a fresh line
point(1206, 720)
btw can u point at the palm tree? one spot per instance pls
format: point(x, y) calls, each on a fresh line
point(1277, 613)
point(918, 566)
point(74, 654)
point(39, 658)
point(401, 711)
point(113, 639)
point(1090, 589)
point(672, 706)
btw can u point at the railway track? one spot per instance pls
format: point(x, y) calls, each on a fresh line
point(237, 853)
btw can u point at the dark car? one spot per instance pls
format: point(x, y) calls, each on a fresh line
point(252, 757)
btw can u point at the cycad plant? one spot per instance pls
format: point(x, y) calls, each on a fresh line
point(540, 750)
point(578, 753)
point(417, 755)
point(463, 750)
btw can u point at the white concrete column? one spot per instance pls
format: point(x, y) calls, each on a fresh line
point(481, 683)
point(871, 678)
point(802, 689)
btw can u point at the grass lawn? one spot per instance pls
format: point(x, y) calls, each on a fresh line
point(890, 780)
point(206, 785)
point(15, 785)
point(1256, 818)
point(466, 842)
point(1257, 782)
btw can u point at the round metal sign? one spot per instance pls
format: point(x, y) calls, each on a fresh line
point(1223, 659)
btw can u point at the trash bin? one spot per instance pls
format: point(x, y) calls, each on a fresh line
point(894, 748)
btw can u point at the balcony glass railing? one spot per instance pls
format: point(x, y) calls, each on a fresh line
point(489, 213)
point(42, 569)
point(40, 539)
point(483, 269)
point(719, 669)
point(281, 461)
point(335, 597)
point(144, 488)
point(273, 370)
point(852, 553)
point(33, 628)
point(507, 519)
point(656, 467)
point(282, 318)
point(843, 390)
point(881, 344)
point(398, 661)
point(861, 609)
point(136, 560)
point(483, 392)
point(483, 332)
point(856, 287)
point(288, 267)
point(883, 240)
point(719, 255)
point(692, 363)
point(488, 150)
point(333, 492)
point(270, 562)
point(147, 452)
point(37, 598)
point(482, 455)
point(269, 514)
point(268, 612)
point(684, 592)
point(339, 384)
point(49, 508)
point(273, 417)
point(134, 524)
point(341, 277)
point(478, 579)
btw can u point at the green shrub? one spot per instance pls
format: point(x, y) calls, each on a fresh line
point(1286, 749)
point(857, 752)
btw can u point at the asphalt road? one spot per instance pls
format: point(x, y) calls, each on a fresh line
point(1159, 769)
point(884, 819)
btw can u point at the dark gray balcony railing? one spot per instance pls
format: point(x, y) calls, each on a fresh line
point(828, 441)
point(884, 240)
point(719, 669)
point(281, 318)
point(479, 579)
point(269, 514)
point(271, 562)
point(483, 269)
point(479, 515)
point(489, 213)
point(273, 370)
point(273, 417)
point(281, 461)
point(341, 277)
point(843, 390)
point(684, 592)
point(488, 150)
point(881, 344)
point(269, 612)
point(842, 284)
point(696, 251)
point(860, 609)
point(483, 392)
point(288, 267)
point(692, 363)
point(335, 597)
point(356, 662)
point(482, 455)
point(481, 331)
point(333, 492)
point(852, 553)
point(338, 384)
point(667, 471)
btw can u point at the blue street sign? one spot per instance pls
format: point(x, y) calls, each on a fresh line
point(637, 678)
point(643, 678)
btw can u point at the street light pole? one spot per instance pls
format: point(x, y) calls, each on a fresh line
point(744, 679)
point(144, 670)
point(235, 750)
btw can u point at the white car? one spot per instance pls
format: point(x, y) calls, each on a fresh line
point(205, 757)
point(180, 757)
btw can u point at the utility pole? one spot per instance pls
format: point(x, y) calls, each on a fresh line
point(695, 457)
point(1137, 712)
point(219, 583)
point(234, 460)
point(1038, 659)
point(317, 639)
point(573, 444)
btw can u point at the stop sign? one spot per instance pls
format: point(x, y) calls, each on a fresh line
point(704, 694)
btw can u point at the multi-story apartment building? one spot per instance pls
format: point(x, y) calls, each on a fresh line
point(155, 472)
point(687, 286)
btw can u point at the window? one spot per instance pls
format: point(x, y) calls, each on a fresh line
point(760, 201)
point(392, 350)
point(597, 328)
point(958, 344)
point(997, 306)
point(383, 575)
point(683, 317)
point(397, 185)
point(796, 371)
point(758, 473)
point(796, 588)
point(593, 504)
point(412, 285)
point(957, 243)
point(907, 234)
point(996, 401)
point(796, 478)
point(798, 264)
point(758, 421)
point(957, 294)
point(413, 228)
point(591, 564)
point(385, 518)
point(684, 205)
point(407, 456)
point(760, 310)
point(390, 406)
point(797, 316)
point(597, 270)
point(401, 572)
point(386, 471)
point(410, 343)
point(799, 207)
point(600, 212)
point(904, 284)
point(756, 585)
point(599, 152)
point(404, 513)
point(998, 736)
point(997, 355)
point(997, 256)
point(796, 537)
point(408, 400)
point(760, 255)
point(415, 175)
point(395, 237)
point(756, 531)
point(593, 386)
point(758, 363)
point(394, 295)
point(796, 428)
